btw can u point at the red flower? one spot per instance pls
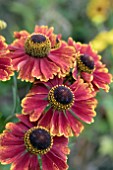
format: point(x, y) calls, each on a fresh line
point(5, 62)
point(24, 143)
point(40, 55)
point(91, 69)
point(58, 106)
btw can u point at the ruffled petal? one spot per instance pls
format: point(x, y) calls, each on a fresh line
point(48, 69)
point(54, 124)
point(8, 154)
point(16, 129)
point(25, 120)
point(47, 163)
point(61, 145)
point(87, 77)
point(45, 121)
point(34, 164)
point(81, 90)
point(76, 126)
point(22, 162)
point(57, 161)
point(64, 125)
point(102, 79)
point(85, 110)
point(26, 70)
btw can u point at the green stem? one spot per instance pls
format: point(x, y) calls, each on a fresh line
point(14, 89)
point(16, 99)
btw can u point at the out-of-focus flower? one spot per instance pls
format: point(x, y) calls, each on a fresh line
point(98, 10)
point(100, 42)
point(3, 24)
point(91, 69)
point(5, 62)
point(40, 55)
point(59, 106)
point(23, 144)
point(110, 37)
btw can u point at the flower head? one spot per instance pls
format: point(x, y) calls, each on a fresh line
point(5, 62)
point(59, 106)
point(97, 10)
point(100, 42)
point(40, 55)
point(90, 67)
point(23, 144)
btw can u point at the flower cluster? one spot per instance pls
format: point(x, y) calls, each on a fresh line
point(65, 77)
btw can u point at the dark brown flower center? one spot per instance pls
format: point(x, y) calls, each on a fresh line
point(38, 38)
point(85, 63)
point(37, 45)
point(38, 140)
point(61, 97)
point(99, 9)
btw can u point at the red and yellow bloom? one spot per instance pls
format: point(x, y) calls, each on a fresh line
point(24, 143)
point(58, 106)
point(91, 69)
point(5, 62)
point(40, 55)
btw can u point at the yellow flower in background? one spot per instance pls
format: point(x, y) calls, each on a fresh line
point(110, 37)
point(100, 42)
point(98, 10)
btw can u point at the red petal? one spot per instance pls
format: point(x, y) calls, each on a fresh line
point(61, 145)
point(25, 120)
point(102, 79)
point(46, 119)
point(15, 129)
point(36, 114)
point(5, 61)
point(34, 164)
point(76, 125)
point(3, 75)
point(54, 125)
point(47, 163)
point(85, 110)
point(26, 71)
point(36, 71)
point(64, 126)
point(10, 153)
point(22, 162)
point(48, 69)
point(61, 164)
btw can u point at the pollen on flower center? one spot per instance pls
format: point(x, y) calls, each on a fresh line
point(61, 97)
point(37, 45)
point(85, 63)
point(38, 140)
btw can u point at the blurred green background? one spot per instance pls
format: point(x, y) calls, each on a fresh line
point(93, 149)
